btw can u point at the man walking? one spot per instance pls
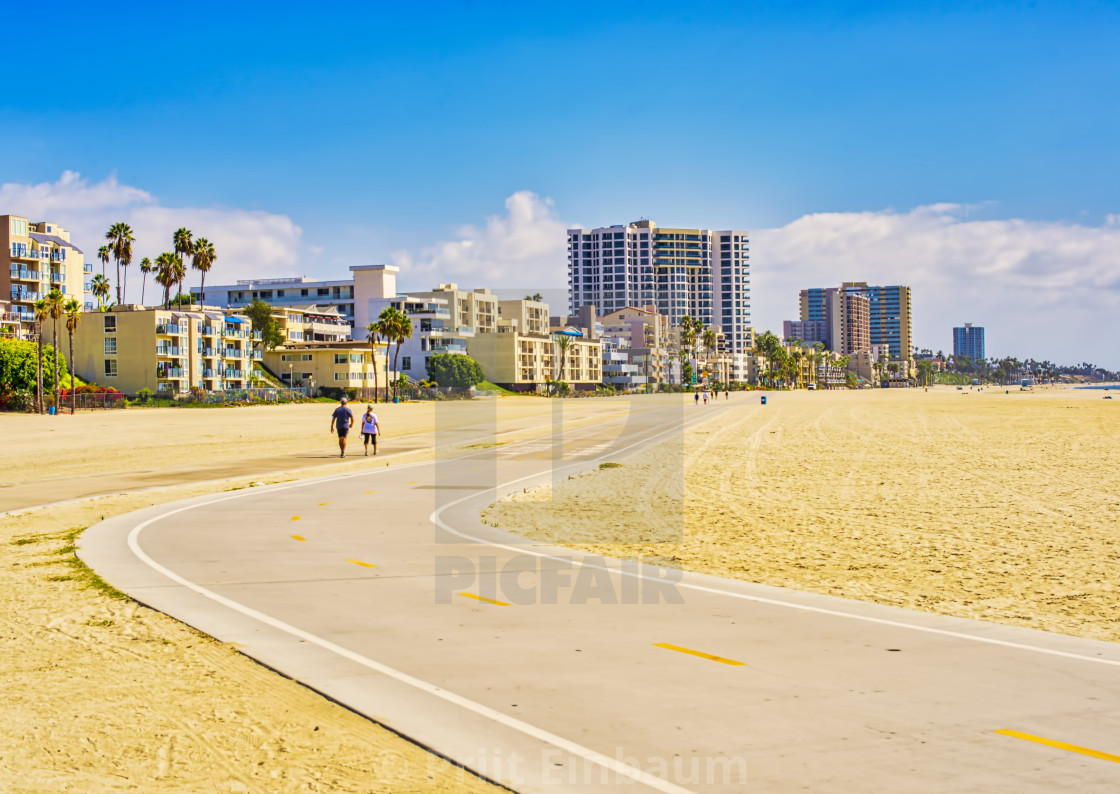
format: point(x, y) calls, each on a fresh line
point(341, 420)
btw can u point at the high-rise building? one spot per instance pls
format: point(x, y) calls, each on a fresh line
point(969, 341)
point(888, 316)
point(40, 258)
point(701, 273)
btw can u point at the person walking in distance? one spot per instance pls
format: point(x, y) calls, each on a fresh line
point(370, 429)
point(341, 420)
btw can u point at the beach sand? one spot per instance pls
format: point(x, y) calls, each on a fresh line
point(104, 694)
point(997, 506)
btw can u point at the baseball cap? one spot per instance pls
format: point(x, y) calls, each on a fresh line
point(343, 400)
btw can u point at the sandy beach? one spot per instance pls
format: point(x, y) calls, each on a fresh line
point(988, 505)
point(105, 694)
point(999, 506)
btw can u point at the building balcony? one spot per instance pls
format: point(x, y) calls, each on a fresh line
point(209, 352)
point(25, 295)
point(234, 333)
point(169, 373)
point(87, 268)
point(22, 252)
point(255, 335)
point(237, 374)
point(209, 330)
point(257, 355)
point(23, 274)
point(169, 350)
point(210, 372)
point(233, 352)
point(57, 278)
point(170, 329)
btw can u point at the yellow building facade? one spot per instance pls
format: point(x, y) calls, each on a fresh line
point(170, 352)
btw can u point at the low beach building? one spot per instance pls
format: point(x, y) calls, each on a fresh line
point(168, 351)
point(330, 366)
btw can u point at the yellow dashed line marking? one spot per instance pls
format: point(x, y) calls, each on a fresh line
point(295, 518)
point(701, 654)
point(411, 483)
point(363, 564)
point(297, 537)
point(323, 504)
point(484, 598)
point(373, 491)
point(1073, 748)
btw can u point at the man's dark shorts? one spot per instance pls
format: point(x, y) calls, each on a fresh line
point(342, 431)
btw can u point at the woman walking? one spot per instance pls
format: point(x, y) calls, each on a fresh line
point(370, 429)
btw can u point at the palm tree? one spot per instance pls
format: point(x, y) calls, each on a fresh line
point(709, 336)
point(204, 257)
point(169, 270)
point(563, 342)
point(145, 268)
point(120, 244)
point(100, 289)
point(184, 247)
point(56, 304)
point(42, 312)
point(374, 337)
point(73, 311)
point(103, 255)
point(402, 330)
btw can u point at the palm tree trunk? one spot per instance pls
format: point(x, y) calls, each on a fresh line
point(396, 358)
point(39, 402)
point(57, 390)
point(143, 286)
point(202, 291)
point(73, 396)
point(118, 280)
point(376, 377)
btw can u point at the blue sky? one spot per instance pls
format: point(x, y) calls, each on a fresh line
point(389, 132)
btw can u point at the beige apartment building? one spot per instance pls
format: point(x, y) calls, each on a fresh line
point(648, 334)
point(332, 365)
point(134, 347)
point(523, 354)
point(40, 258)
point(311, 323)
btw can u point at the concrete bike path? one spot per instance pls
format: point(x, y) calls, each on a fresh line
point(543, 669)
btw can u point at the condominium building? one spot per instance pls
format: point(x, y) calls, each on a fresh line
point(311, 323)
point(284, 292)
point(968, 340)
point(443, 319)
point(647, 339)
point(701, 273)
point(889, 319)
point(40, 258)
point(167, 351)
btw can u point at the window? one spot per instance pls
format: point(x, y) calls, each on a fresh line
point(406, 362)
point(110, 324)
point(110, 345)
point(110, 368)
point(340, 358)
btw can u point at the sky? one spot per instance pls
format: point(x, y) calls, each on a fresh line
point(966, 149)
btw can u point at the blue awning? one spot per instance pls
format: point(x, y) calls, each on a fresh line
point(234, 320)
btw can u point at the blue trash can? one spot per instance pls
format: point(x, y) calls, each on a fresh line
point(764, 399)
point(51, 410)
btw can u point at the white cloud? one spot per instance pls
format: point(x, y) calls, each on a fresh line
point(250, 243)
point(524, 248)
point(1042, 289)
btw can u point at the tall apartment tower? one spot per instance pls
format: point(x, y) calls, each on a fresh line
point(701, 273)
point(888, 310)
point(41, 258)
point(969, 341)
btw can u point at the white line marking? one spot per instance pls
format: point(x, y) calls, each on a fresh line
point(570, 747)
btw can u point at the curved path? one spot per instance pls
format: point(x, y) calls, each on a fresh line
point(544, 669)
